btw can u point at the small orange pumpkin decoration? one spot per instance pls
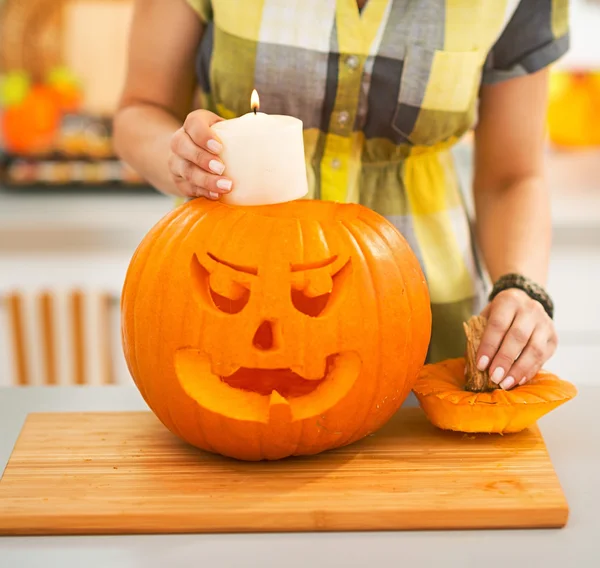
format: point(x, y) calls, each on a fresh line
point(30, 127)
point(455, 396)
point(270, 331)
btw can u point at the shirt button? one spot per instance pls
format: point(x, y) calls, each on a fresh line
point(352, 61)
point(336, 163)
point(343, 117)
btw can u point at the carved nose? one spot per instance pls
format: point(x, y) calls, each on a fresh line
point(263, 338)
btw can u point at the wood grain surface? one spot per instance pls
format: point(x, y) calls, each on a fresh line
point(123, 473)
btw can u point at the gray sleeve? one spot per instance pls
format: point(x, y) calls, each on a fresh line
point(535, 36)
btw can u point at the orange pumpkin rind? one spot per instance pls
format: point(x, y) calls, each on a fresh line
point(440, 390)
point(262, 332)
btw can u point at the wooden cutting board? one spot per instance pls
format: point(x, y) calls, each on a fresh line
point(121, 473)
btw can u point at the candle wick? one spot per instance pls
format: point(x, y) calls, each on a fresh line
point(254, 109)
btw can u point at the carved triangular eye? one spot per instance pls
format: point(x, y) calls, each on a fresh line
point(312, 307)
point(212, 299)
point(315, 306)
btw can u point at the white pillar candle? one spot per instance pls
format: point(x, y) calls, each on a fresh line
point(264, 157)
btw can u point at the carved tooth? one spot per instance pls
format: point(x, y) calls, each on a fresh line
point(224, 368)
point(312, 370)
point(279, 408)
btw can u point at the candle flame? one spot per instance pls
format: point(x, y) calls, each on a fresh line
point(254, 101)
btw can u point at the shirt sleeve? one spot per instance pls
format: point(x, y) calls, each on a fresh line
point(535, 36)
point(203, 8)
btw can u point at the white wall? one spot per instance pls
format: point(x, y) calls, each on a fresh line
point(585, 47)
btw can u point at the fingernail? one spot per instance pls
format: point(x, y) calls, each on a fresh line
point(213, 195)
point(483, 363)
point(497, 375)
point(507, 383)
point(224, 184)
point(216, 167)
point(523, 381)
point(214, 146)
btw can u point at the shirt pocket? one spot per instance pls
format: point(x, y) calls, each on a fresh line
point(438, 94)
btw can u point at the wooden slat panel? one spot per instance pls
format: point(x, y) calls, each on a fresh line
point(59, 337)
point(78, 331)
point(104, 347)
point(100, 473)
point(17, 333)
point(49, 343)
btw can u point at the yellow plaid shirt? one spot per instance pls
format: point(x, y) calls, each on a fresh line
point(384, 93)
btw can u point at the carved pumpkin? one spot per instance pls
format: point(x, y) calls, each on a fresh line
point(453, 396)
point(271, 331)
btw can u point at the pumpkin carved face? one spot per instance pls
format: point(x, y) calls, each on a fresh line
point(264, 332)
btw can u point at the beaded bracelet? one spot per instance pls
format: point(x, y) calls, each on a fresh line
point(533, 290)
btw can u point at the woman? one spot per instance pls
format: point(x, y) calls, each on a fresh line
point(384, 88)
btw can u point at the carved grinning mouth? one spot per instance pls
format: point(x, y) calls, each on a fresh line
point(286, 382)
point(265, 395)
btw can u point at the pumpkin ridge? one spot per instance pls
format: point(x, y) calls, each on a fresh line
point(351, 230)
point(402, 270)
point(173, 245)
point(411, 273)
point(223, 218)
point(139, 260)
point(148, 247)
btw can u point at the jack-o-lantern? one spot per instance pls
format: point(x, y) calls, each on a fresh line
point(270, 331)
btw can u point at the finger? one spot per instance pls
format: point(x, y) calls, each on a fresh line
point(198, 127)
point(186, 189)
point(538, 350)
point(198, 177)
point(514, 342)
point(183, 146)
point(500, 319)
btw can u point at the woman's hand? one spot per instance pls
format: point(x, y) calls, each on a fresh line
point(194, 161)
point(518, 339)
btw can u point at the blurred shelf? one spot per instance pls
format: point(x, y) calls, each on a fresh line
point(74, 189)
point(58, 170)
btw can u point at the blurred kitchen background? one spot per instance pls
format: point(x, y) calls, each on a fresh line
point(71, 214)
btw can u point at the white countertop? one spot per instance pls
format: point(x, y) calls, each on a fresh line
point(572, 438)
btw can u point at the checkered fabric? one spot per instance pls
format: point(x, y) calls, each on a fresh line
point(383, 94)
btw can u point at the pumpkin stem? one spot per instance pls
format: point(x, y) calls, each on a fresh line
point(477, 381)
